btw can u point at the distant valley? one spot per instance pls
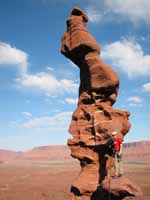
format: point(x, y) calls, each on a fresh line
point(61, 153)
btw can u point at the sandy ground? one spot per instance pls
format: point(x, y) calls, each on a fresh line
point(51, 181)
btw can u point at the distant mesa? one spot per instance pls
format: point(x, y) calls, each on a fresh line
point(6, 155)
point(38, 154)
point(61, 153)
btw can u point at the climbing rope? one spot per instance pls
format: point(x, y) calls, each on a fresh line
point(109, 191)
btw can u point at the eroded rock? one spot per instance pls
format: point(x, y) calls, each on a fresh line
point(95, 119)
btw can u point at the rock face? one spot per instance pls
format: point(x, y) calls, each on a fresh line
point(95, 119)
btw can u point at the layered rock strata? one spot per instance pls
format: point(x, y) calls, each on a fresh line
point(95, 119)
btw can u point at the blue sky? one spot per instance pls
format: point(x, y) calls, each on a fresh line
point(39, 86)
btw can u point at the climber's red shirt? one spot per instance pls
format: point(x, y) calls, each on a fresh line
point(117, 144)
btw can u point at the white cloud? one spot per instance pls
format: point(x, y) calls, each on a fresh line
point(48, 68)
point(68, 85)
point(71, 101)
point(13, 123)
point(135, 99)
point(129, 57)
point(134, 10)
point(146, 87)
point(135, 105)
point(47, 84)
point(94, 15)
point(58, 120)
point(12, 56)
point(27, 114)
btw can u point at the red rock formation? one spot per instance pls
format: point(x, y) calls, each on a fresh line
point(94, 119)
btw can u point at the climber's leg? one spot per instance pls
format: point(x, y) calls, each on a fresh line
point(116, 165)
point(120, 172)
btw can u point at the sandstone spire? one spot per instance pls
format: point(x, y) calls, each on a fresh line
point(95, 119)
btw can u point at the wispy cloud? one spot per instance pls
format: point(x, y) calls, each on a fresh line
point(48, 68)
point(57, 120)
point(136, 10)
point(135, 101)
point(12, 56)
point(94, 15)
point(27, 114)
point(47, 84)
point(71, 100)
point(129, 57)
point(146, 87)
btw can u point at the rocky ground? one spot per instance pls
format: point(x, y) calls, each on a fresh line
point(39, 179)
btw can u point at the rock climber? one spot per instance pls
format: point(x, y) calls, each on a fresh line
point(117, 153)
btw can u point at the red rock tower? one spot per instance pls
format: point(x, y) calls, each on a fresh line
point(95, 119)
